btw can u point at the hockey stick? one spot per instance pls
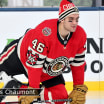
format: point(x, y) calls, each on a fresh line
point(41, 101)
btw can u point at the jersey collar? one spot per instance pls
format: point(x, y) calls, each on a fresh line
point(61, 39)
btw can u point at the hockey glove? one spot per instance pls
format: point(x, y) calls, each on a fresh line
point(27, 99)
point(78, 95)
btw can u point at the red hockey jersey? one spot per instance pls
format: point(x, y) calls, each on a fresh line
point(45, 54)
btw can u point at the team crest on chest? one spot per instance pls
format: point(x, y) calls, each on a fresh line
point(46, 31)
point(57, 66)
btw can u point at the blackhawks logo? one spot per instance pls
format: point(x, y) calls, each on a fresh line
point(57, 66)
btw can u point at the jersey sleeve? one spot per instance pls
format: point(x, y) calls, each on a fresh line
point(33, 51)
point(78, 64)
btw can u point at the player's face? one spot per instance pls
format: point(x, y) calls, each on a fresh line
point(70, 22)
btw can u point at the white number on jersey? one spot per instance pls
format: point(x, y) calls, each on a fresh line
point(38, 46)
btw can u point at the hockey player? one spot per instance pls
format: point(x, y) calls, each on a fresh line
point(43, 53)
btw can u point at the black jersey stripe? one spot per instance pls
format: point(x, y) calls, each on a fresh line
point(81, 56)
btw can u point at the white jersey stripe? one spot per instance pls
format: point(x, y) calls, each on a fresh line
point(6, 54)
point(77, 64)
point(34, 66)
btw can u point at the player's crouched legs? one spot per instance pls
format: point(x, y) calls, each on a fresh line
point(55, 92)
